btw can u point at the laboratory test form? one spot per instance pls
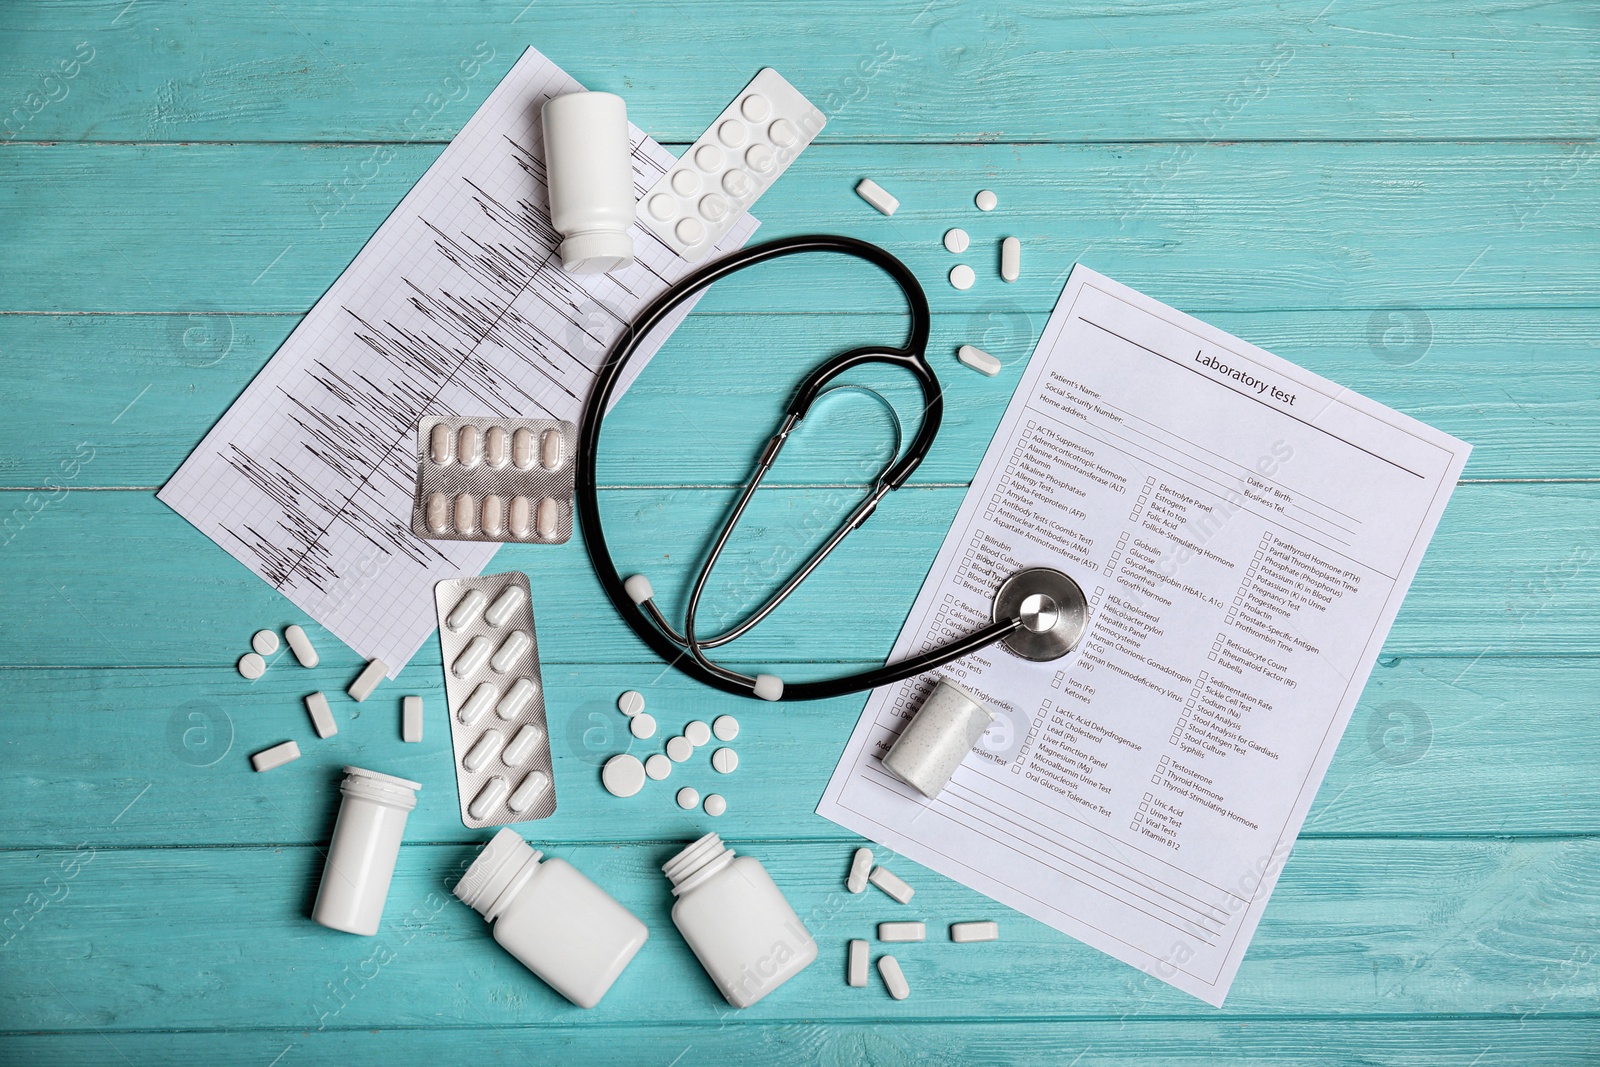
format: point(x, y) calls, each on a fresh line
point(1244, 531)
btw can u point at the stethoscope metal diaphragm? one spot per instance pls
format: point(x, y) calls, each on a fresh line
point(1053, 610)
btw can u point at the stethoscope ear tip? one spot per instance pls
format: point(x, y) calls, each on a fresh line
point(639, 589)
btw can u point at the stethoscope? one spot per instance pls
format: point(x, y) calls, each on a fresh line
point(1038, 613)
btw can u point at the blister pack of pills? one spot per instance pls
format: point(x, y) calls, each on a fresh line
point(736, 160)
point(496, 699)
point(492, 479)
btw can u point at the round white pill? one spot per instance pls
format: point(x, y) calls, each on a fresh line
point(708, 157)
point(685, 182)
point(732, 133)
point(759, 158)
point(623, 775)
point(265, 642)
point(679, 749)
point(783, 133)
point(713, 207)
point(698, 733)
point(715, 805)
point(737, 183)
point(631, 703)
point(956, 240)
point(663, 206)
point(689, 231)
point(755, 108)
point(724, 760)
point(726, 727)
point(253, 666)
point(688, 797)
point(986, 200)
point(962, 276)
point(658, 767)
point(642, 725)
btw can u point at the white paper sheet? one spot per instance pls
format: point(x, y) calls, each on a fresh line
point(457, 305)
point(1245, 531)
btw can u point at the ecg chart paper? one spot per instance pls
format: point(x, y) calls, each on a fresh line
point(457, 306)
point(1244, 532)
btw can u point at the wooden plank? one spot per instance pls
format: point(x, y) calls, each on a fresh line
point(1376, 927)
point(167, 596)
point(698, 416)
point(1430, 750)
point(904, 70)
point(1228, 227)
point(1429, 1042)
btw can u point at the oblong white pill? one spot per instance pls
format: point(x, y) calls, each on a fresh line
point(475, 706)
point(517, 699)
point(715, 805)
point(439, 442)
point(965, 933)
point(411, 719)
point(860, 867)
point(891, 883)
point(301, 646)
point(551, 449)
point(549, 516)
point(505, 605)
point(252, 666)
point(642, 726)
point(902, 931)
point(956, 240)
point(522, 448)
point(321, 715)
point(894, 980)
point(698, 733)
point(658, 766)
point(496, 446)
point(438, 513)
point(679, 749)
point(724, 761)
point(276, 756)
point(494, 515)
point(367, 680)
point(855, 972)
point(511, 651)
point(467, 446)
point(726, 727)
point(874, 194)
point(466, 609)
point(465, 514)
point(520, 516)
point(631, 703)
point(623, 775)
point(475, 655)
point(962, 276)
point(1010, 259)
point(529, 792)
point(688, 797)
point(486, 748)
point(488, 798)
point(986, 200)
point(978, 360)
point(521, 746)
point(265, 642)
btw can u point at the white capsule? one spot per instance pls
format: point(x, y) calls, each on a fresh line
point(466, 513)
point(488, 798)
point(688, 797)
point(528, 793)
point(522, 448)
point(623, 775)
point(522, 746)
point(517, 699)
point(698, 733)
point(876, 195)
point(860, 867)
point(962, 276)
point(965, 933)
point(726, 727)
point(439, 441)
point(715, 804)
point(496, 446)
point(986, 200)
point(475, 655)
point(856, 971)
point(511, 650)
point(1010, 259)
point(505, 605)
point(724, 761)
point(551, 449)
point(367, 680)
point(893, 979)
point(679, 749)
point(466, 609)
point(658, 766)
point(301, 646)
point(475, 706)
point(642, 726)
point(494, 514)
point(631, 703)
point(486, 749)
point(549, 517)
point(252, 666)
point(411, 719)
point(276, 756)
point(956, 240)
point(978, 360)
point(265, 642)
point(467, 446)
point(321, 715)
point(902, 931)
point(521, 516)
point(890, 883)
point(438, 513)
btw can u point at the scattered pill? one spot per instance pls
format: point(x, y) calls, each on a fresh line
point(265, 642)
point(724, 761)
point(658, 767)
point(438, 513)
point(642, 726)
point(276, 756)
point(963, 933)
point(688, 797)
point(486, 748)
point(367, 680)
point(902, 931)
point(962, 276)
point(488, 798)
point(411, 719)
point(475, 655)
point(855, 972)
point(715, 805)
point(698, 733)
point(521, 746)
point(986, 200)
point(631, 703)
point(679, 749)
point(956, 240)
point(511, 651)
point(891, 883)
point(496, 446)
point(522, 448)
point(860, 867)
point(301, 646)
point(894, 980)
point(877, 196)
point(467, 446)
point(494, 514)
point(517, 699)
point(252, 666)
point(321, 715)
point(520, 516)
point(465, 515)
point(726, 727)
point(439, 442)
point(509, 600)
point(978, 360)
point(1010, 259)
point(466, 610)
point(477, 705)
point(623, 775)
point(528, 793)
point(550, 449)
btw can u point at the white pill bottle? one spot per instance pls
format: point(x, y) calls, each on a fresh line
point(556, 922)
point(589, 175)
point(362, 854)
point(734, 917)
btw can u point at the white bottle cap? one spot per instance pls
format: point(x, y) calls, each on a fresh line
point(938, 738)
point(497, 869)
point(596, 252)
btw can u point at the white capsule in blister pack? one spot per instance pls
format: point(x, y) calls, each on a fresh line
point(493, 479)
point(491, 664)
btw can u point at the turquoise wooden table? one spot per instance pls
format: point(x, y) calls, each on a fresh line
point(1399, 195)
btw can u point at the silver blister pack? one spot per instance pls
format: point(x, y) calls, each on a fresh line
point(496, 697)
point(493, 479)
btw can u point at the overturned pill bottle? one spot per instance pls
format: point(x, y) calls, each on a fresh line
point(734, 917)
point(589, 174)
point(938, 738)
point(556, 922)
point(362, 854)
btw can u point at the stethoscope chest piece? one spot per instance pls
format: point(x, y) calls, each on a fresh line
point(1053, 610)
